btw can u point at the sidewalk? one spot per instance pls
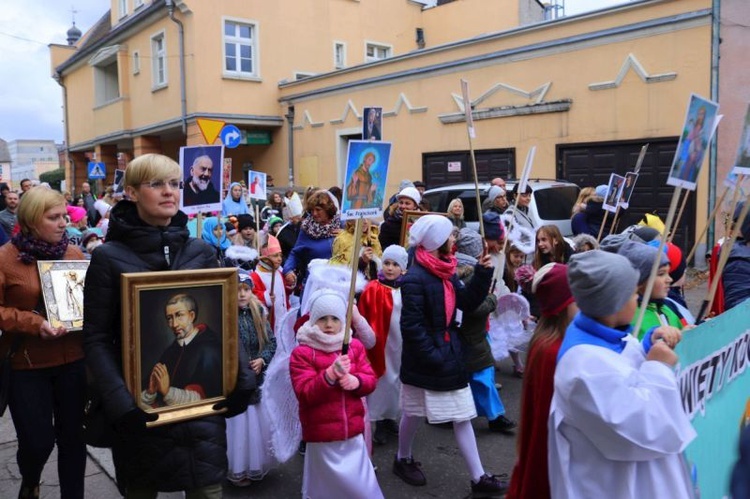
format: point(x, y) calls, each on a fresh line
point(99, 470)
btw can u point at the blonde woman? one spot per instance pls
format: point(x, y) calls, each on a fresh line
point(456, 213)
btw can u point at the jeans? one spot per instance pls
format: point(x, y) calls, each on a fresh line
point(47, 408)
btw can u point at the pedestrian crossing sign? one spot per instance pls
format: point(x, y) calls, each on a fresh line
point(97, 171)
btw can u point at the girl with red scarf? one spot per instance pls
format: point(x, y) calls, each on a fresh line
point(435, 380)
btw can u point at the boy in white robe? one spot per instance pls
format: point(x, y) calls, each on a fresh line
point(616, 427)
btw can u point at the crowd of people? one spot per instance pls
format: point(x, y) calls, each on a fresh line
point(433, 315)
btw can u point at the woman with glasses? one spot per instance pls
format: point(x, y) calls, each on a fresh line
point(148, 233)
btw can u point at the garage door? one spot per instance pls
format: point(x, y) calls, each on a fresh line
point(446, 168)
point(590, 165)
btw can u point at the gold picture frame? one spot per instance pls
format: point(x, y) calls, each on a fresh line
point(409, 218)
point(62, 288)
point(155, 311)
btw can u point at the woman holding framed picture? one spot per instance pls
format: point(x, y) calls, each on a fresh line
point(47, 377)
point(148, 233)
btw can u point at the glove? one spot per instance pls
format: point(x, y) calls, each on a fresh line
point(339, 368)
point(349, 382)
point(134, 422)
point(235, 404)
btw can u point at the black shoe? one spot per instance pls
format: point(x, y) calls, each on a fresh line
point(410, 471)
point(391, 426)
point(302, 448)
point(29, 491)
point(502, 425)
point(380, 437)
point(489, 486)
point(448, 425)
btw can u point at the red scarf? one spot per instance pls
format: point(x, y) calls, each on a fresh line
point(443, 268)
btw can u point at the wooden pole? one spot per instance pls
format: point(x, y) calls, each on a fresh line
point(352, 284)
point(199, 225)
point(601, 227)
point(655, 266)
point(614, 220)
point(679, 217)
point(726, 248)
point(257, 225)
point(469, 134)
point(708, 222)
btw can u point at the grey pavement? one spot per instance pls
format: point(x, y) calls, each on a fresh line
point(434, 447)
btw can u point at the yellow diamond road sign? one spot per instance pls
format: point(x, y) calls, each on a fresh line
point(210, 129)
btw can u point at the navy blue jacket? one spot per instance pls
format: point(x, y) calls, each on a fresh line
point(736, 276)
point(589, 220)
point(431, 356)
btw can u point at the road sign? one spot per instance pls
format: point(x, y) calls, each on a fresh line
point(231, 136)
point(210, 129)
point(97, 171)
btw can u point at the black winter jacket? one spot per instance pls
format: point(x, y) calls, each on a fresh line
point(477, 352)
point(431, 357)
point(178, 456)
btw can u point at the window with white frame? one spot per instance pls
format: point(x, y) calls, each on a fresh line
point(339, 55)
point(123, 6)
point(136, 62)
point(240, 49)
point(376, 52)
point(158, 61)
point(106, 75)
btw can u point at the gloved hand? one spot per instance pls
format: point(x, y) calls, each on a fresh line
point(134, 422)
point(339, 368)
point(235, 404)
point(349, 382)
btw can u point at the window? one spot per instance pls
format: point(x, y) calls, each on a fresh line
point(240, 49)
point(107, 88)
point(339, 55)
point(123, 5)
point(136, 62)
point(376, 52)
point(158, 61)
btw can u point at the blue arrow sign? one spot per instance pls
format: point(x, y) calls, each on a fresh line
point(97, 170)
point(230, 136)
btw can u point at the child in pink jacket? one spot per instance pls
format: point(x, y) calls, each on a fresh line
point(329, 387)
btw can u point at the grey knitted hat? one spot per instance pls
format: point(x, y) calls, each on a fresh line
point(469, 242)
point(601, 282)
point(642, 257)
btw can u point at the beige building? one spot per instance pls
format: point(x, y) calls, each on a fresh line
point(588, 90)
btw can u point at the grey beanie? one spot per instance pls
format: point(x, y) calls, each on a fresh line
point(601, 282)
point(495, 192)
point(613, 242)
point(642, 257)
point(396, 254)
point(469, 242)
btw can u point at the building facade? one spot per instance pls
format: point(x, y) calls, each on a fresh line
point(30, 157)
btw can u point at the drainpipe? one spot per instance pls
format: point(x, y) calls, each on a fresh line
point(290, 148)
point(181, 37)
point(59, 80)
point(715, 42)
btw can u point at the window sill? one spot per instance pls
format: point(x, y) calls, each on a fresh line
point(108, 103)
point(156, 88)
point(236, 76)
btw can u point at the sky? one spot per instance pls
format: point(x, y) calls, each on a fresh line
point(30, 100)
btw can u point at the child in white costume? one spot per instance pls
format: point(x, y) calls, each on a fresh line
point(249, 434)
point(269, 282)
point(616, 422)
point(329, 386)
point(380, 305)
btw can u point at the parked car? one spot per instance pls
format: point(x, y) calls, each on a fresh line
point(551, 201)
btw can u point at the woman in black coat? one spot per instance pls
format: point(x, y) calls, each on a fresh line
point(150, 234)
point(435, 380)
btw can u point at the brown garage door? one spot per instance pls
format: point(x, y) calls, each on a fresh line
point(590, 165)
point(454, 167)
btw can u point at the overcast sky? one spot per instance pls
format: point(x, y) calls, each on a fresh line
point(30, 100)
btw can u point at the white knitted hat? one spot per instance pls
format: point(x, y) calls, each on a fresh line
point(430, 231)
point(411, 193)
point(397, 254)
point(327, 302)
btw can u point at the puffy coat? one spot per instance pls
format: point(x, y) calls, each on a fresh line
point(172, 457)
point(329, 413)
point(432, 357)
point(736, 273)
point(589, 220)
point(305, 250)
point(390, 228)
point(473, 332)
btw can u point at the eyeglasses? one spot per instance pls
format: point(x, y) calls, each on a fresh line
point(161, 184)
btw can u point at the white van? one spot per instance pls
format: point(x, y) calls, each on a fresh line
point(551, 202)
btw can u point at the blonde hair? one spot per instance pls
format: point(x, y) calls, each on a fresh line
point(260, 320)
point(456, 201)
point(151, 167)
point(583, 197)
point(34, 204)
